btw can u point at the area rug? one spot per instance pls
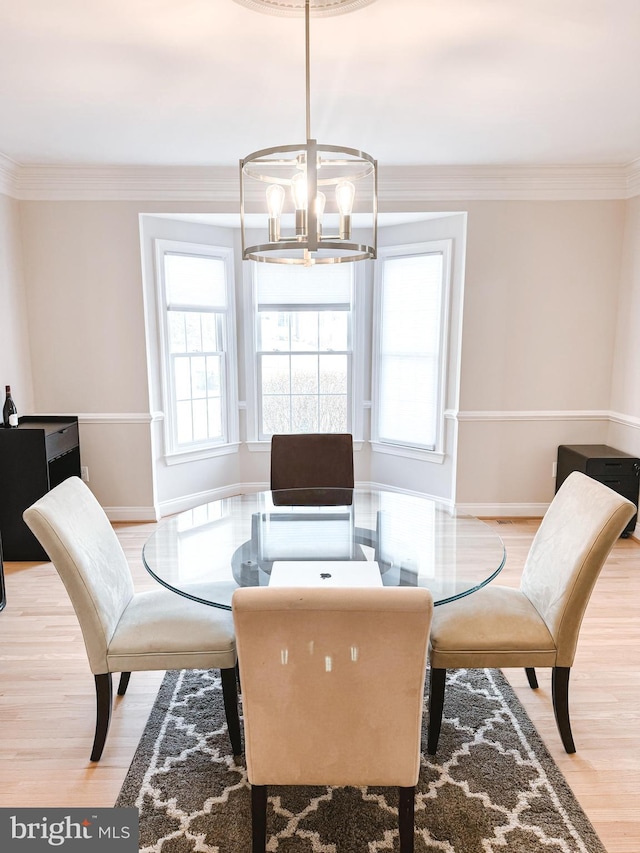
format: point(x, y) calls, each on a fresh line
point(492, 788)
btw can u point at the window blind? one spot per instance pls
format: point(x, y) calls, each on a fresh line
point(316, 288)
point(409, 358)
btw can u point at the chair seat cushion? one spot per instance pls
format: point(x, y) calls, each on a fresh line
point(160, 629)
point(494, 627)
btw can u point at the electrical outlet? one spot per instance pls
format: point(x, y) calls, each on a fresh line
point(554, 469)
point(84, 473)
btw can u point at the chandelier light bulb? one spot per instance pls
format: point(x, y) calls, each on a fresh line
point(275, 200)
point(299, 190)
point(345, 195)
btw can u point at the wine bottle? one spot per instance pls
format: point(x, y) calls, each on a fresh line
point(9, 411)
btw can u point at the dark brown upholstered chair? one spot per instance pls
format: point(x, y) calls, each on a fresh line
point(312, 460)
point(537, 624)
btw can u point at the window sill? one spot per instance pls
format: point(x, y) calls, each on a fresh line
point(265, 446)
point(408, 452)
point(181, 456)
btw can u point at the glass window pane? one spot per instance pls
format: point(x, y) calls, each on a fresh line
point(184, 423)
point(304, 413)
point(333, 374)
point(215, 417)
point(194, 332)
point(304, 374)
point(214, 375)
point(334, 330)
point(177, 335)
point(275, 374)
point(200, 424)
point(333, 413)
point(273, 331)
point(304, 330)
point(192, 280)
point(210, 342)
point(276, 414)
point(198, 377)
point(182, 377)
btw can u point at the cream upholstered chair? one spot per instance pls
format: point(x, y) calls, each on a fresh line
point(332, 690)
point(312, 460)
point(537, 624)
point(123, 630)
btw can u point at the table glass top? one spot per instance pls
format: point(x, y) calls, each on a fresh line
point(207, 552)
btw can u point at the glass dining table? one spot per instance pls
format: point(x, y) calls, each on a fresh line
point(207, 552)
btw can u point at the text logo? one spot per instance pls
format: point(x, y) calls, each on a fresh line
point(34, 830)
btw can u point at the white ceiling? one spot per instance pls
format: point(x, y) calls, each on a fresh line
point(204, 82)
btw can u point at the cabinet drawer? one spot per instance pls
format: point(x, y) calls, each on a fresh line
point(624, 468)
point(62, 441)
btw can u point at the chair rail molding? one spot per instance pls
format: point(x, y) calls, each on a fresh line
point(533, 415)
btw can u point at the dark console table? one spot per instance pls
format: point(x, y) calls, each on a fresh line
point(3, 593)
point(34, 457)
point(620, 471)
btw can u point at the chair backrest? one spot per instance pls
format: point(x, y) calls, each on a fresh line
point(308, 460)
point(573, 541)
point(332, 683)
point(73, 529)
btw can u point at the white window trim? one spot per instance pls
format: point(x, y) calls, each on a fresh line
point(396, 448)
point(203, 449)
point(357, 359)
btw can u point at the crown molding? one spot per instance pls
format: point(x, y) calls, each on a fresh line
point(484, 183)
point(8, 172)
point(396, 184)
point(633, 178)
point(128, 183)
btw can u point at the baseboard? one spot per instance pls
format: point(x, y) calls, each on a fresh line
point(510, 510)
point(198, 498)
point(131, 513)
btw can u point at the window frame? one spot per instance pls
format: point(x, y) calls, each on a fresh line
point(204, 448)
point(256, 440)
point(384, 444)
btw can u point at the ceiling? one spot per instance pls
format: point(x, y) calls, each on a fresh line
point(204, 82)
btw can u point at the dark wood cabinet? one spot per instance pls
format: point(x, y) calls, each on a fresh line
point(34, 457)
point(3, 594)
point(616, 469)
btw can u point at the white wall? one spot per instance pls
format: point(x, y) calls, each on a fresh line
point(624, 431)
point(540, 313)
point(86, 329)
point(538, 344)
point(15, 356)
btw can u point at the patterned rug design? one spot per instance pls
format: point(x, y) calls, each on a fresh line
point(492, 788)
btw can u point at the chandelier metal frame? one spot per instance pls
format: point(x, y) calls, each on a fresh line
point(306, 170)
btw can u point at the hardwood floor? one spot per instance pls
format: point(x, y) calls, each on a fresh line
point(47, 695)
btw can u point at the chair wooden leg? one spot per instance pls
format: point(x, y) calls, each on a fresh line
point(531, 677)
point(560, 694)
point(230, 697)
point(437, 681)
point(258, 818)
point(104, 699)
point(406, 807)
point(123, 683)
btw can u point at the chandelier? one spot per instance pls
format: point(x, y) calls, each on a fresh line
point(319, 203)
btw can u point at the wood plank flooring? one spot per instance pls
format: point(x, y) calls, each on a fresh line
point(47, 695)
